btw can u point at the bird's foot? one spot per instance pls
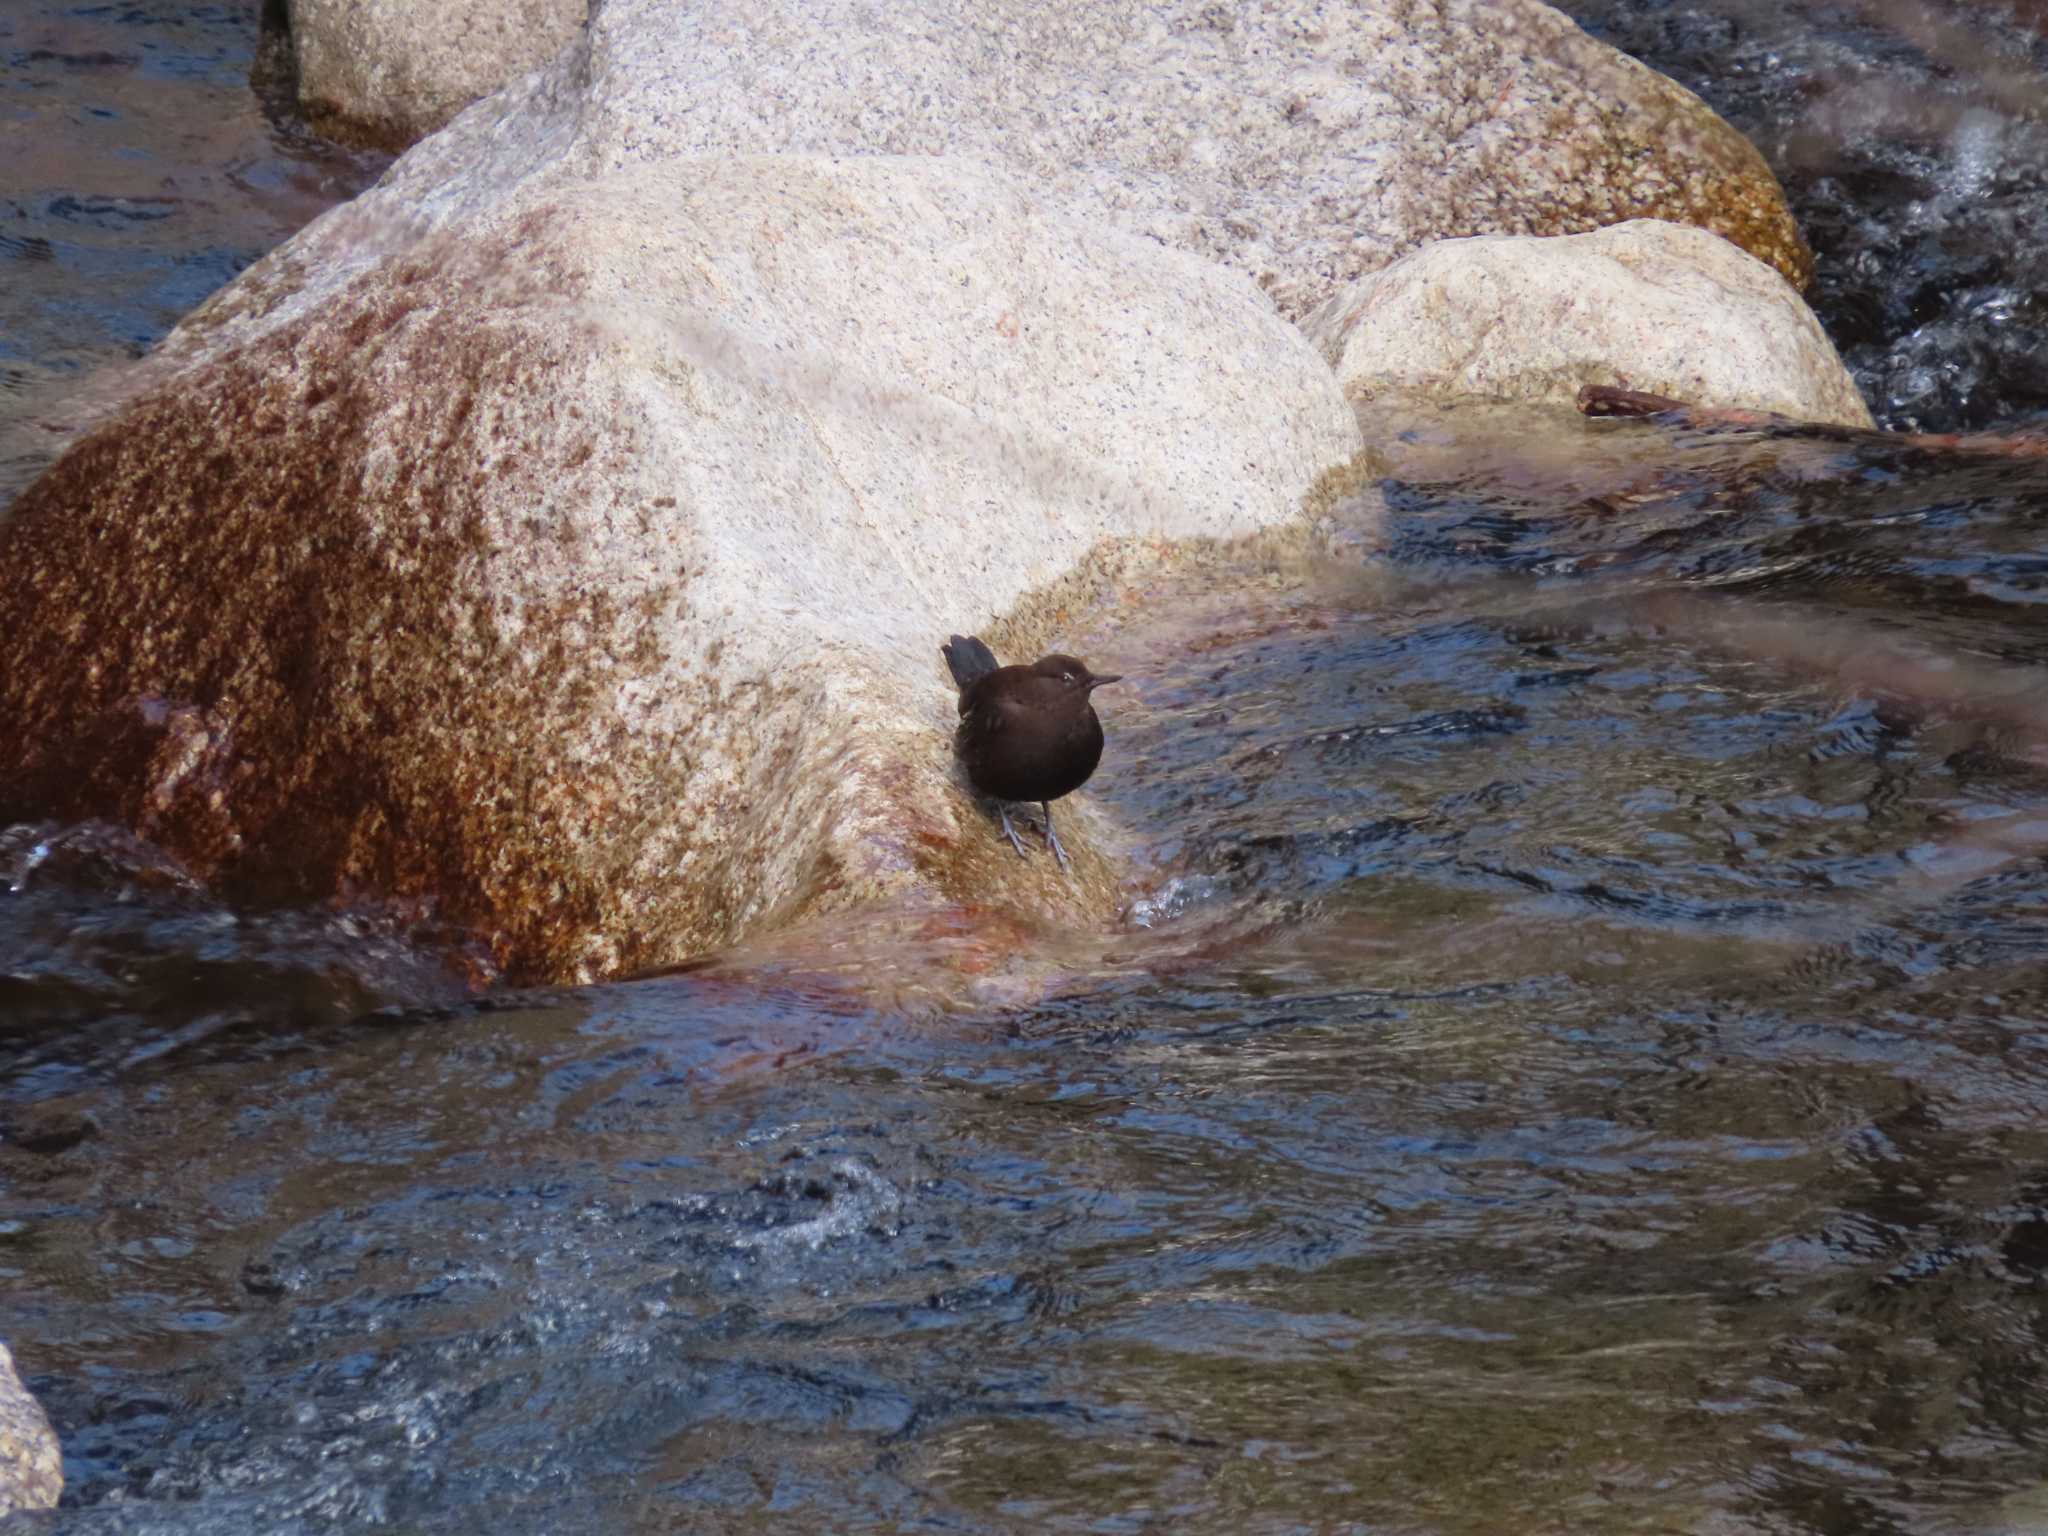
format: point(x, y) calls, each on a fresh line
point(1011, 832)
point(1053, 837)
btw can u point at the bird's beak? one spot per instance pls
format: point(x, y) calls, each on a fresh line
point(1097, 681)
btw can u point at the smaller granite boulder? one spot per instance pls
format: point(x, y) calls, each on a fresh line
point(1646, 305)
point(31, 1465)
point(386, 73)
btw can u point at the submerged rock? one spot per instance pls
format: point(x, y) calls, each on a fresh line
point(386, 73)
point(572, 555)
point(1649, 306)
point(31, 1462)
point(1302, 143)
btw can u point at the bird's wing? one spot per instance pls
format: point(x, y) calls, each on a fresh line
point(987, 718)
point(977, 700)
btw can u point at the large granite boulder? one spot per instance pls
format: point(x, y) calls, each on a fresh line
point(31, 1461)
point(1301, 142)
point(570, 554)
point(1651, 306)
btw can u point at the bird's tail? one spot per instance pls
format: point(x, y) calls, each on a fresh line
point(968, 658)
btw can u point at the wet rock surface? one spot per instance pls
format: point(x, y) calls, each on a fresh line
point(1645, 305)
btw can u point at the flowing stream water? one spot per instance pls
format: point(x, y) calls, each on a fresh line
point(1577, 1059)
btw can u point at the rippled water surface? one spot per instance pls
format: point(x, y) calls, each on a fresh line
point(1576, 1060)
point(140, 172)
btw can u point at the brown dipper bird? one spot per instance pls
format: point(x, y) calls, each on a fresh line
point(1026, 733)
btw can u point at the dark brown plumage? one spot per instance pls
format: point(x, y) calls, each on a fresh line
point(1026, 733)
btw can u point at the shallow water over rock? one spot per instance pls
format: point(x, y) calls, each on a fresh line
point(1576, 1059)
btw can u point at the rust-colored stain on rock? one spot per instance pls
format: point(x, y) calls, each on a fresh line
point(210, 635)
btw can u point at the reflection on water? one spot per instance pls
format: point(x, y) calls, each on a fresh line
point(1577, 1063)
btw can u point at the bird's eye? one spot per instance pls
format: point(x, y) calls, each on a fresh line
point(1067, 678)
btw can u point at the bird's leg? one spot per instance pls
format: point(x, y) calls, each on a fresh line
point(1051, 836)
point(1009, 831)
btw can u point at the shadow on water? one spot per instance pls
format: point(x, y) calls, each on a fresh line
point(1575, 1061)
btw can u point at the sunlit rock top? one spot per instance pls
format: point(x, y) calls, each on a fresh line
point(1646, 305)
point(1302, 143)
